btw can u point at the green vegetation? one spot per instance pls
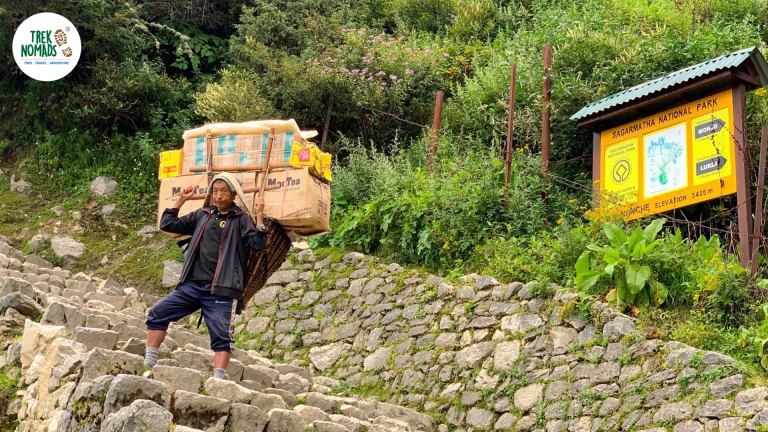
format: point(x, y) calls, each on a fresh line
point(148, 72)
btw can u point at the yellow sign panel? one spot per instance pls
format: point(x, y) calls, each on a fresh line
point(669, 160)
point(711, 147)
point(621, 171)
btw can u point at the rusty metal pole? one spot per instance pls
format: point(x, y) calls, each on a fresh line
point(327, 120)
point(545, 113)
point(743, 201)
point(759, 202)
point(510, 130)
point(435, 128)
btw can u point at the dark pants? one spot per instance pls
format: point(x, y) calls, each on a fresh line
point(218, 312)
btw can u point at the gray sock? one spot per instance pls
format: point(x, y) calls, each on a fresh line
point(150, 358)
point(219, 373)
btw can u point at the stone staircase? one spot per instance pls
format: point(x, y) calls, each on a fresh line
point(477, 356)
point(82, 365)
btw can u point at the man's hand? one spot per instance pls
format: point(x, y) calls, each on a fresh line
point(185, 195)
point(258, 204)
point(258, 207)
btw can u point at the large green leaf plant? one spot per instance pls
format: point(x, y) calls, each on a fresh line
point(625, 263)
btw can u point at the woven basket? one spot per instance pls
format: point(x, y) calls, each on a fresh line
point(262, 264)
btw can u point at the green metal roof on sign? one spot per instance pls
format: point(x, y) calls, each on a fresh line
point(727, 61)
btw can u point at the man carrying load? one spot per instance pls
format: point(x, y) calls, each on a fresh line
point(213, 275)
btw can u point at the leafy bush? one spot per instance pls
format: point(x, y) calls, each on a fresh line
point(439, 218)
point(235, 99)
point(626, 265)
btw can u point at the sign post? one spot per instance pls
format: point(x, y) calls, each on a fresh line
point(677, 140)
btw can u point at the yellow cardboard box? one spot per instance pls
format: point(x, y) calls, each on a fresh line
point(170, 164)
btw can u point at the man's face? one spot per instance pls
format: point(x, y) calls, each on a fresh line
point(221, 196)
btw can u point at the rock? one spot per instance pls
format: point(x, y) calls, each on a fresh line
point(246, 418)
point(563, 339)
point(177, 378)
point(265, 376)
point(257, 325)
point(268, 402)
point(352, 257)
point(108, 210)
point(35, 340)
point(201, 412)
point(726, 386)
point(618, 328)
point(714, 409)
point(731, 424)
point(751, 401)
point(171, 273)
point(681, 356)
point(20, 187)
point(688, 426)
point(378, 359)
point(760, 419)
point(528, 397)
point(311, 414)
point(323, 426)
point(140, 416)
point(326, 356)
point(306, 256)
point(21, 303)
point(228, 390)
point(388, 424)
point(95, 337)
point(100, 362)
point(506, 421)
point(352, 424)
point(505, 355)
point(133, 346)
point(283, 277)
point(609, 406)
point(147, 231)
point(127, 388)
point(520, 323)
point(66, 247)
point(281, 420)
point(103, 186)
point(11, 285)
point(673, 412)
point(472, 356)
point(485, 282)
point(37, 242)
point(479, 418)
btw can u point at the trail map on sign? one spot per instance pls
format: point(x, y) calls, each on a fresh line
point(665, 161)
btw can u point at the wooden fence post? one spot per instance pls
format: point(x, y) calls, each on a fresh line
point(435, 128)
point(510, 130)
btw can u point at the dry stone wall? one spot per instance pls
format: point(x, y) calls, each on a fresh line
point(80, 369)
point(349, 344)
point(477, 354)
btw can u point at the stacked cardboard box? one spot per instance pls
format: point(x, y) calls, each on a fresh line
point(300, 195)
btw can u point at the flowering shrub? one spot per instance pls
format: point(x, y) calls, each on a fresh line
point(384, 73)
